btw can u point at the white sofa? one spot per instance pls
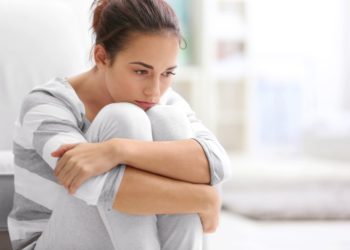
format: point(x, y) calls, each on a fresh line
point(39, 40)
point(329, 138)
point(288, 188)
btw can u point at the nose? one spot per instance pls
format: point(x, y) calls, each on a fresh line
point(152, 88)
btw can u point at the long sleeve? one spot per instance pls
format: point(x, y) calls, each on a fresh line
point(219, 163)
point(45, 123)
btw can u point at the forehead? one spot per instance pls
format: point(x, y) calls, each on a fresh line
point(154, 49)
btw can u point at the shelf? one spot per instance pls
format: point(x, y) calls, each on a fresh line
point(214, 80)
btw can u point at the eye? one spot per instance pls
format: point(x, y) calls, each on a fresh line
point(168, 74)
point(140, 72)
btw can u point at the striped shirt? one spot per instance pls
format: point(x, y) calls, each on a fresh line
point(51, 115)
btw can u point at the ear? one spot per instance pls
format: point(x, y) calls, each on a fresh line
point(101, 58)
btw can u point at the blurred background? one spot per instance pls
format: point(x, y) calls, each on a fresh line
point(271, 79)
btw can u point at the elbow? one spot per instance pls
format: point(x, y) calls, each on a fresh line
point(221, 172)
point(206, 179)
point(227, 169)
point(218, 161)
point(202, 175)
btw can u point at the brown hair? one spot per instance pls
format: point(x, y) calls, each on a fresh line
point(115, 20)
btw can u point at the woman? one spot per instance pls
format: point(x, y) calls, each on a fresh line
point(137, 164)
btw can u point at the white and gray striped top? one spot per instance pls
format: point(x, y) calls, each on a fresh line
point(52, 115)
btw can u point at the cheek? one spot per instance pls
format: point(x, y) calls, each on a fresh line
point(165, 86)
point(115, 81)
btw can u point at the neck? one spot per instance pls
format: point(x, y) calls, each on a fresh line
point(91, 89)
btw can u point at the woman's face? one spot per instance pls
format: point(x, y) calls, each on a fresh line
point(144, 70)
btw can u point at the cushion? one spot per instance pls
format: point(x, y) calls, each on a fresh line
point(328, 138)
point(39, 40)
point(6, 163)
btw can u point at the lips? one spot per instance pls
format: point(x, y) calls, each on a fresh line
point(145, 105)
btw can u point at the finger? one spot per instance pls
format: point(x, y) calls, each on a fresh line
point(64, 173)
point(78, 181)
point(69, 177)
point(57, 153)
point(62, 149)
point(61, 164)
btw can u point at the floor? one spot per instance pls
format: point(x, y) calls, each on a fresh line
point(4, 241)
point(239, 233)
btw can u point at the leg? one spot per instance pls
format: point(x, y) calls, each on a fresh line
point(181, 231)
point(75, 225)
point(125, 120)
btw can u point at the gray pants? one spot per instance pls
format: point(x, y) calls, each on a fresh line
point(75, 225)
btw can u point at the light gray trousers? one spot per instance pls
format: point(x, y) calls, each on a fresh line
point(75, 225)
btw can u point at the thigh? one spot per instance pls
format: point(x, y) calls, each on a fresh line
point(74, 225)
point(127, 231)
point(180, 231)
point(125, 120)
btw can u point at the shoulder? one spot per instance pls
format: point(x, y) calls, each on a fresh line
point(51, 95)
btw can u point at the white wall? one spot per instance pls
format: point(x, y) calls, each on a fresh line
point(82, 9)
point(346, 13)
point(301, 42)
point(309, 33)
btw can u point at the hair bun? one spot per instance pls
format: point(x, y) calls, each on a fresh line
point(115, 20)
point(99, 6)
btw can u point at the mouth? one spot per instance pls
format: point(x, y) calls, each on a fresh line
point(145, 105)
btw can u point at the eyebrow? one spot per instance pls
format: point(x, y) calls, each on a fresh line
point(150, 66)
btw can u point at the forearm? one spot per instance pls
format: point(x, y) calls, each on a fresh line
point(182, 160)
point(145, 193)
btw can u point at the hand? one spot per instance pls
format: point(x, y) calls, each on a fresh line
point(79, 162)
point(210, 217)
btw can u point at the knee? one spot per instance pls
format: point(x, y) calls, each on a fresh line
point(124, 120)
point(127, 111)
point(169, 123)
point(166, 113)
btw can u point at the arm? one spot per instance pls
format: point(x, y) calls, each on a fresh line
point(45, 123)
point(181, 160)
point(145, 193)
point(49, 123)
point(198, 160)
point(219, 163)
